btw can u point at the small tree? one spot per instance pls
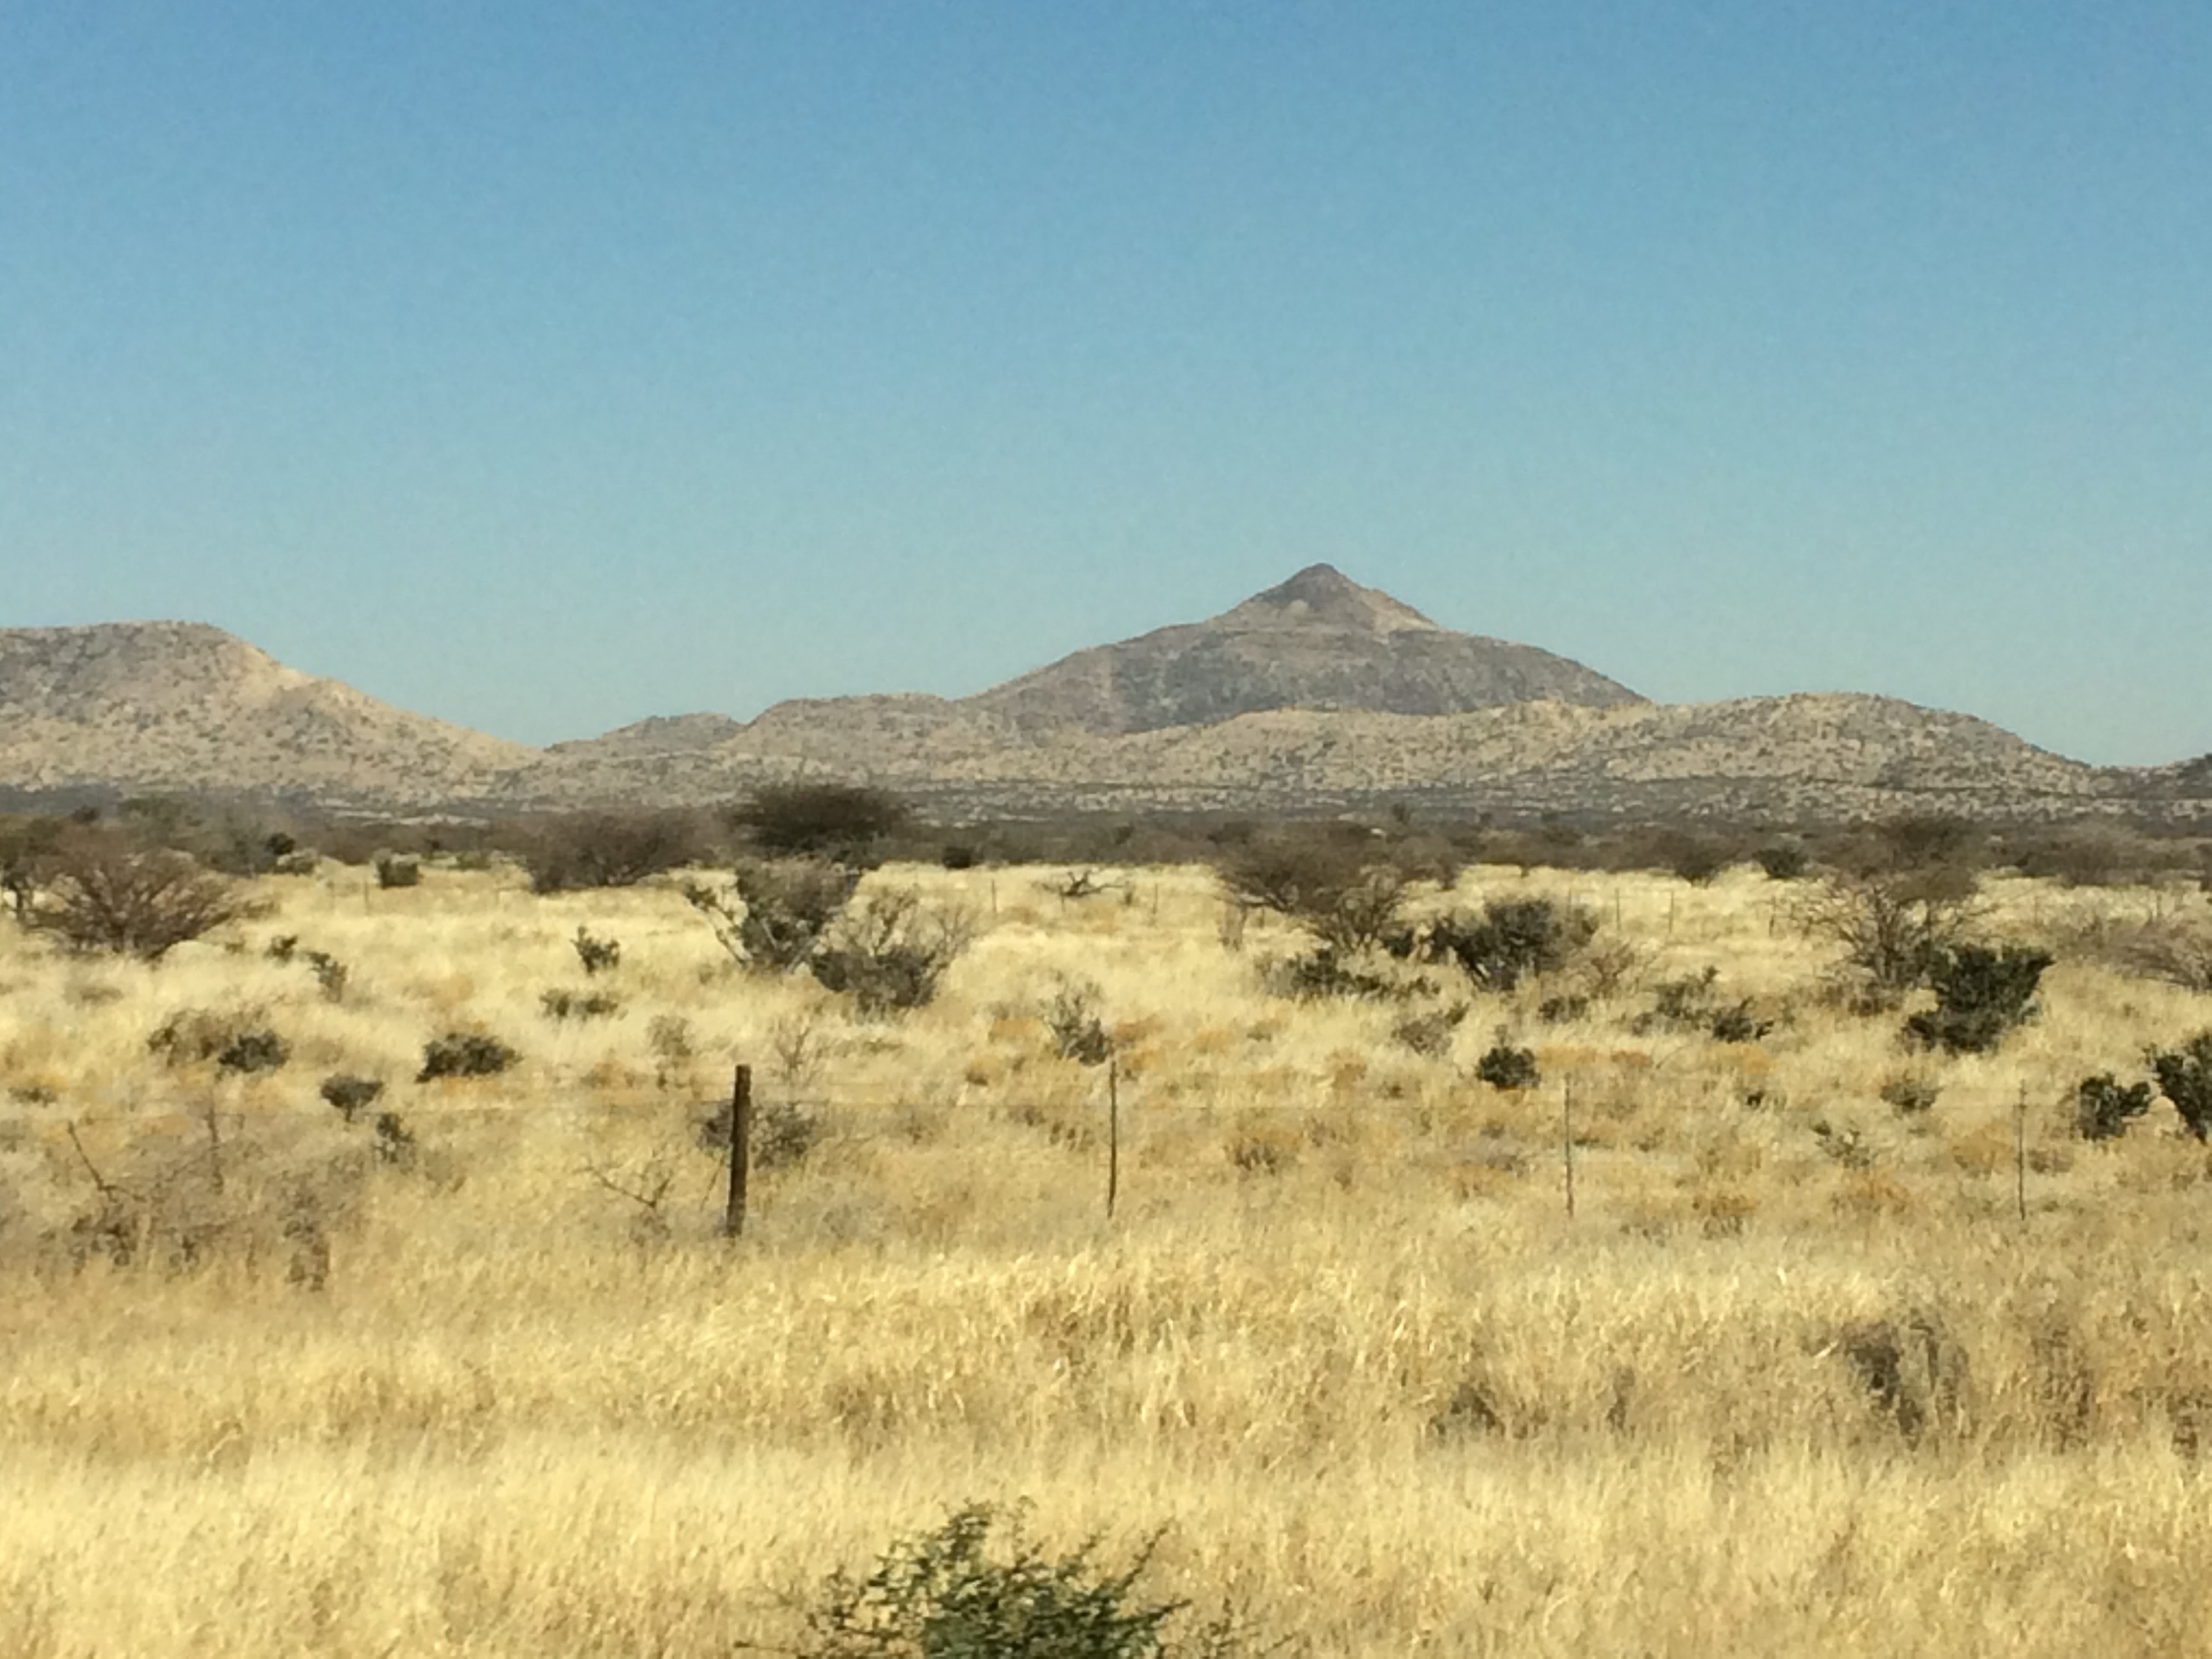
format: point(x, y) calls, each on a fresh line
point(1335, 887)
point(842, 823)
point(1893, 927)
point(610, 849)
point(97, 891)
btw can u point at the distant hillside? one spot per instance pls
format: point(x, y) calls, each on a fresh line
point(1318, 695)
point(1319, 640)
point(181, 706)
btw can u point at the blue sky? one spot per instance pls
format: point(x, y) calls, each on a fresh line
point(545, 366)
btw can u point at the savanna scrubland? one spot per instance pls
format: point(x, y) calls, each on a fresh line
point(467, 1368)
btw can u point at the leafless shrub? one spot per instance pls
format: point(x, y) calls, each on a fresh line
point(96, 891)
point(2177, 949)
point(1336, 887)
point(610, 850)
point(890, 951)
point(1893, 928)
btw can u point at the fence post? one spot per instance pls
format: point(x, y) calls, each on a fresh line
point(741, 1151)
point(2020, 1155)
point(1567, 1140)
point(1112, 1132)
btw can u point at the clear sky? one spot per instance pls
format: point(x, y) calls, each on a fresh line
point(546, 366)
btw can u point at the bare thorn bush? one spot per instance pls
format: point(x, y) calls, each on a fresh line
point(97, 891)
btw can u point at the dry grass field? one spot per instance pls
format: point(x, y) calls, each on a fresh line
point(1796, 1377)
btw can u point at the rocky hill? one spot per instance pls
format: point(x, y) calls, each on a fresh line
point(183, 707)
point(1319, 640)
point(1316, 694)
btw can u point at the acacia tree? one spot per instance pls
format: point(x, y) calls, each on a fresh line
point(97, 890)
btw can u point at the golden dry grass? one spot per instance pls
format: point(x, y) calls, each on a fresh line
point(1771, 1390)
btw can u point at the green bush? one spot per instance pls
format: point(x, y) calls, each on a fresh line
point(951, 1594)
point(1508, 1068)
point(775, 912)
point(349, 1096)
point(1512, 939)
point(1321, 973)
point(1981, 993)
point(599, 955)
point(461, 1053)
point(2103, 1108)
point(2185, 1076)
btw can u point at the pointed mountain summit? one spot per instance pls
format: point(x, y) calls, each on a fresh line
point(1319, 640)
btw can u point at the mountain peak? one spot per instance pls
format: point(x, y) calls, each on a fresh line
point(1322, 594)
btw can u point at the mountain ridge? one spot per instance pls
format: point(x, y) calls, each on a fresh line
point(1284, 702)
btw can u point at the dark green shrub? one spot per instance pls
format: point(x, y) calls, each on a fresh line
point(394, 1142)
point(1981, 993)
point(462, 1053)
point(1783, 860)
point(959, 856)
point(1508, 1068)
point(349, 1096)
point(951, 1595)
point(1321, 973)
point(2185, 1076)
point(579, 1004)
point(842, 824)
point(599, 955)
point(331, 974)
point(2103, 1108)
point(254, 1051)
point(1512, 939)
point(394, 870)
point(1559, 1010)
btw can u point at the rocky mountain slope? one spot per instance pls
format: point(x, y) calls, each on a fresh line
point(184, 707)
point(1316, 694)
point(1319, 640)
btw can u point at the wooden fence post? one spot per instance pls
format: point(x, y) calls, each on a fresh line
point(741, 1151)
point(1112, 1132)
point(1567, 1140)
point(2020, 1155)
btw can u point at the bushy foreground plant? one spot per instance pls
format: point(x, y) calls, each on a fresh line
point(977, 1588)
point(1512, 939)
point(2104, 1107)
point(2185, 1076)
point(1981, 993)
